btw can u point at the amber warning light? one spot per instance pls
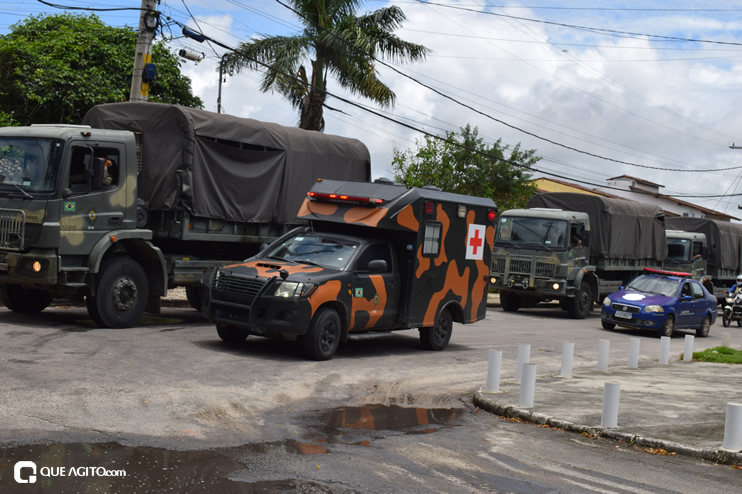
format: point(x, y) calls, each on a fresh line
point(342, 198)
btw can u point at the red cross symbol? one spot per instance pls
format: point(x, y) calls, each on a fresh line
point(475, 242)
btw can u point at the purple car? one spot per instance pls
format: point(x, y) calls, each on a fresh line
point(662, 303)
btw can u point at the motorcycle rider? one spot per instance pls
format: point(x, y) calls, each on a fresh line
point(732, 302)
point(737, 287)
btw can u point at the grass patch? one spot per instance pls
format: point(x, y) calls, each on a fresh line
point(721, 354)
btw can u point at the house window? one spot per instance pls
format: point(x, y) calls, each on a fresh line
point(432, 242)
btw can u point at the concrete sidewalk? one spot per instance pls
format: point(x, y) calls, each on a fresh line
point(679, 407)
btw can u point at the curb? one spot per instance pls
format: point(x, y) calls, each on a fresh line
point(716, 455)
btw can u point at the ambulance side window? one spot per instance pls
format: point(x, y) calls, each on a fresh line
point(432, 241)
point(373, 253)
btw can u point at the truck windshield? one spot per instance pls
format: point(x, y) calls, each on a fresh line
point(29, 163)
point(531, 232)
point(678, 249)
point(324, 250)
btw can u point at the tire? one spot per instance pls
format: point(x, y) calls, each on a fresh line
point(231, 334)
point(579, 306)
point(436, 337)
point(18, 299)
point(121, 293)
point(510, 302)
point(725, 320)
point(195, 296)
point(703, 331)
point(668, 327)
point(323, 337)
point(607, 324)
point(739, 322)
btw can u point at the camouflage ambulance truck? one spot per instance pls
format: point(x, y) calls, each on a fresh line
point(375, 257)
point(145, 198)
point(574, 248)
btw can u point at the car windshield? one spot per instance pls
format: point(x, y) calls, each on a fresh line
point(657, 286)
point(525, 231)
point(324, 250)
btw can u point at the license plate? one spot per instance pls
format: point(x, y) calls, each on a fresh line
point(623, 315)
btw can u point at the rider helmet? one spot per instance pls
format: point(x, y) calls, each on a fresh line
point(739, 279)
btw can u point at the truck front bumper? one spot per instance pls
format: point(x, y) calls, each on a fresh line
point(542, 287)
point(34, 268)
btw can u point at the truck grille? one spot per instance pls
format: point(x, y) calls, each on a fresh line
point(545, 267)
point(520, 265)
point(12, 226)
point(239, 285)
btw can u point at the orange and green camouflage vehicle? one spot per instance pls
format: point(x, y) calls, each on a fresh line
point(374, 257)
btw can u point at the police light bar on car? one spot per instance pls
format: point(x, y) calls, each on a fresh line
point(344, 199)
point(666, 273)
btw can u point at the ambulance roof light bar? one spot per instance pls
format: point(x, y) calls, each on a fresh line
point(344, 199)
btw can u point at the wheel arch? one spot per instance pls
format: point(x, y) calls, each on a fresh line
point(342, 313)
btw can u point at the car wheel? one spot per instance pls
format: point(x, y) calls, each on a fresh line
point(436, 337)
point(231, 334)
point(703, 331)
point(323, 337)
point(579, 306)
point(510, 302)
point(608, 325)
point(668, 326)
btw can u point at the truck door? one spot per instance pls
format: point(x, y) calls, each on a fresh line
point(88, 214)
point(375, 293)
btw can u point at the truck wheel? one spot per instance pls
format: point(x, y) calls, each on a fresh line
point(323, 338)
point(510, 302)
point(194, 295)
point(579, 306)
point(668, 327)
point(18, 299)
point(437, 337)
point(608, 325)
point(231, 334)
point(703, 331)
point(121, 293)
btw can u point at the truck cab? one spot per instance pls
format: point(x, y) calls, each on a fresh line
point(375, 257)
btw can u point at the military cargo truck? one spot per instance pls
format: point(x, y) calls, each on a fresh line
point(375, 257)
point(145, 197)
point(575, 249)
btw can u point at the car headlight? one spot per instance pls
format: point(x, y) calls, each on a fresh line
point(654, 308)
point(606, 301)
point(293, 289)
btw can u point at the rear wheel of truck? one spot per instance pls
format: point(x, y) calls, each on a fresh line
point(194, 295)
point(510, 302)
point(18, 299)
point(323, 338)
point(231, 334)
point(436, 337)
point(121, 293)
point(579, 306)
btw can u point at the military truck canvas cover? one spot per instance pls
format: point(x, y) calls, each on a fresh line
point(222, 166)
point(724, 238)
point(616, 225)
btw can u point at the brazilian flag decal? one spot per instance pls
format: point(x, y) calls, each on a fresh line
point(69, 206)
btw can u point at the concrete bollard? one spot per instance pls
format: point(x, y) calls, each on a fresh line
point(688, 350)
point(733, 428)
point(603, 350)
point(493, 371)
point(726, 340)
point(568, 355)
point(528, 386)
point(634, 353)
point(524, 356)
point(611, 392)
point(664, 350)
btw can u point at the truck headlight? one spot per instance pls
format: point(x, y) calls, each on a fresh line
point(293, 289)
point(654, 308)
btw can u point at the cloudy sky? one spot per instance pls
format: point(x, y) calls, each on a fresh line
point(623, 88)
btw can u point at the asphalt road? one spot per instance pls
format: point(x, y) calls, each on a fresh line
point(172, 405)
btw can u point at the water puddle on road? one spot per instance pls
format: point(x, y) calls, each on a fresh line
point(111, 467)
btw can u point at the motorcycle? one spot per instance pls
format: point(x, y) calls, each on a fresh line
point(732, 310)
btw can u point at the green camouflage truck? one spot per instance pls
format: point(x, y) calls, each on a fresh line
point(145, 197)
point(574, 249)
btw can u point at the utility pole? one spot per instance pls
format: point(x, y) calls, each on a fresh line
point(222, 61)
point(143, 55)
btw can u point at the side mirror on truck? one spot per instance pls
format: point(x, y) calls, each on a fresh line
point(98, 166)
point(378, 266)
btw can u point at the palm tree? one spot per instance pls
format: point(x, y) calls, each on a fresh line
point(340, 43)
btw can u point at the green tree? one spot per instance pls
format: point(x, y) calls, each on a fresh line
point(54, 68)
point(463, 163)
point(334, 42)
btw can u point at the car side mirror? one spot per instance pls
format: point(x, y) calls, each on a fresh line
point(686, 297)
point(378, 266)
